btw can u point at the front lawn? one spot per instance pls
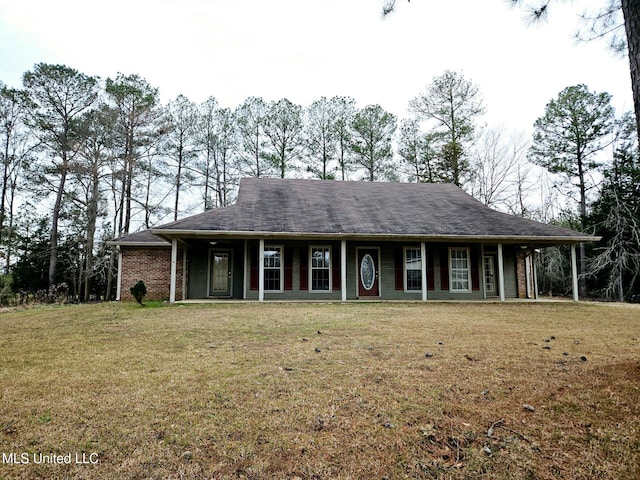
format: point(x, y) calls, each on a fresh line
point(320, 391)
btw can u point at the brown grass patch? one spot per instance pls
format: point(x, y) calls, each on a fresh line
point(322, 391)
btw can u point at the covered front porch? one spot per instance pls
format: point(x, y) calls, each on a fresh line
point(273, 268)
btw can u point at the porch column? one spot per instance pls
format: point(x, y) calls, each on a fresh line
point(245, 267)
point(343, 269)
point(423, 270)
point(501, 272)
point(535, 275)
point(184, 272)
point(261, 271)
point(119, 285)
point(174, 267)
point(483, 275)
point(574, 272)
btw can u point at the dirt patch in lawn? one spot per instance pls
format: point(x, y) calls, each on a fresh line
point(320, 391)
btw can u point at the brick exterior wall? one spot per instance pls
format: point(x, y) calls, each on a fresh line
point(152, 265)
point(521, 269)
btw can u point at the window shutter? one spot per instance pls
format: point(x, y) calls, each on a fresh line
point(444, 269)
point(253, 268)
point(335, 269)
point(475, 270)
point(431, 274)
point(398, 268)
point(288, 268)
point(304, 268)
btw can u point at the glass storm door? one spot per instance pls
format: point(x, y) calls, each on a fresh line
point(368, 275)
point(490, 276)
point(220, 275)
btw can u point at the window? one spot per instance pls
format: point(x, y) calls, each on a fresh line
point(272, 269)
point(320, 269)
point(413, 269)
point(459, 271)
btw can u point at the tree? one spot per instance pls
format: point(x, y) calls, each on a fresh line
point(616, 216)
point(179, 142)
point(217, 138)
point(251, 118)
point(372, 132)
point(283, 128)
point(498, 166)
point(418, 150)
point(344, 112)
point(574, 128)
point(606, 23)
point(14, 152)
point(320, 138)
point(133, 102)
point(89, 171)
point(566, 139)
point(451, 105)
point(59, 95)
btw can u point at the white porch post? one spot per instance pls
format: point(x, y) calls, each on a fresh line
point(261, 271)
point(483, 275)
point(245, 264)
point(574, 272)
point(343, 269)
point(174, 267)
point(501, 273)
point(527, 275)
point(423, 272)
point(184, 272)
point(119, 285)
point(535, 275)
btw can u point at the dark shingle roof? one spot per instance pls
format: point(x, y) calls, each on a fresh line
point(145, 237)
point(360, 209)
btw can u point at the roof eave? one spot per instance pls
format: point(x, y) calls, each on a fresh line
point(168, 234)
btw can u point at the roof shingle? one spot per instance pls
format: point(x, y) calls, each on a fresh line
point(320, 207)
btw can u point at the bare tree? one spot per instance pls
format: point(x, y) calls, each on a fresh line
point(497, 166)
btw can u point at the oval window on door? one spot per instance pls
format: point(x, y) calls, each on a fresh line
point(367, 272)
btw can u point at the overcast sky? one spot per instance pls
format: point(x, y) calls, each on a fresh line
point(305, 49)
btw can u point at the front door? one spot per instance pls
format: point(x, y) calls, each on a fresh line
point(490, 286)
point(368, 273)
point(220, 274)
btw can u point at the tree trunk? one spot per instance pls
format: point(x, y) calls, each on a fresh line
point(55, 215)
point(92, 216)
point(631, 13)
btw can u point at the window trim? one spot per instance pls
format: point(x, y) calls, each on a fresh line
point(405, 269)
point(281, 268)
point(311, 269)
point(468, 254)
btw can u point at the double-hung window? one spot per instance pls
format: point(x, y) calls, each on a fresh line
point(273, 268)
point(413, 269)
point(320, 273)
point(459, 270)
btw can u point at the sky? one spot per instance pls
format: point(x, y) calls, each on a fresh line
point(305, 49)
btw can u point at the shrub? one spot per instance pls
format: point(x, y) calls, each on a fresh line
point(139, 290)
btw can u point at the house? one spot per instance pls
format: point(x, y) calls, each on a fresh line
point(290, 239)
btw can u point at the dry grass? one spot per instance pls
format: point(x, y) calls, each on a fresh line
point(317, 391)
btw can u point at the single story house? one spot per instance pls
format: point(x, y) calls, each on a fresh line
point(291, 239)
